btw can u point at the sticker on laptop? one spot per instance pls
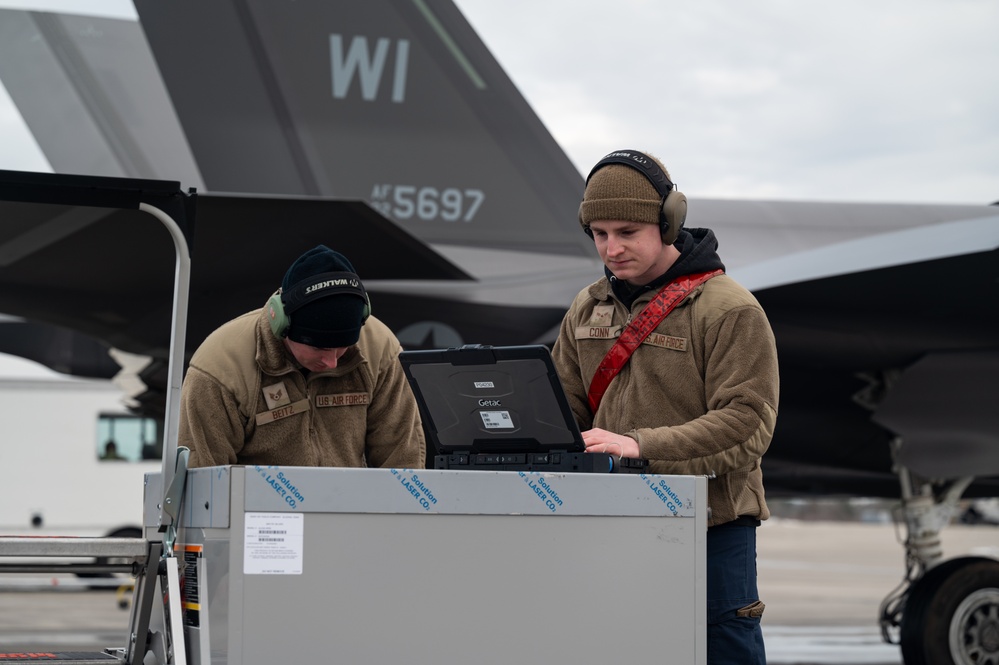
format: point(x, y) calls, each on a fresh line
point(496, 419)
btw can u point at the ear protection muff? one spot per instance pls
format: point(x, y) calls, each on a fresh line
point(673, 207)
point(282, 305)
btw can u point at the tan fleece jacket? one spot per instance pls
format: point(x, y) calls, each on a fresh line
point(699, 396)
point(245, 401)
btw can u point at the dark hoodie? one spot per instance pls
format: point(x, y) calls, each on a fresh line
point(698, 253)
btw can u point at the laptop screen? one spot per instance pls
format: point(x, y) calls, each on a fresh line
point(483, 399)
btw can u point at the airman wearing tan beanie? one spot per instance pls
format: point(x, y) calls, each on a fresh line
point(621, 192)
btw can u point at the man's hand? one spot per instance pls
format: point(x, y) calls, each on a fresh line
point(602, 441)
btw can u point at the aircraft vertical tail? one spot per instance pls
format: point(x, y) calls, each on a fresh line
point(89, 91)
point(396, 103)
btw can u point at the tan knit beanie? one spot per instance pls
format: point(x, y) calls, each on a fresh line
point(619, 192)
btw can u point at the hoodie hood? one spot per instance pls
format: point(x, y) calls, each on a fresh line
point(698, 253)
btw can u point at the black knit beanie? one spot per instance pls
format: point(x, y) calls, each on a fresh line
point(323, 321)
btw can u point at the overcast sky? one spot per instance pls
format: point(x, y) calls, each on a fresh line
point(867, 100)
point(855, 100)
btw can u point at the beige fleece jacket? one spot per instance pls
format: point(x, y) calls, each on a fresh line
point(245, 401)
point(699, 396)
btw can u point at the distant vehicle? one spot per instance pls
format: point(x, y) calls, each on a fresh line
point(56, 439)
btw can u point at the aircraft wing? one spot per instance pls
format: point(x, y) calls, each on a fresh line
point(62, 349)
point(239, 256)
point(885, 318)
point(105, 274)
point(90, 93)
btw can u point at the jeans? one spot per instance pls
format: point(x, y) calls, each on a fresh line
point(734, 636)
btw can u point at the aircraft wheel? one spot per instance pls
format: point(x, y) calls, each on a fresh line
point(951, 615)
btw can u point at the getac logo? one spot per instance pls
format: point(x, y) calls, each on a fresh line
point(489, 402)
point(331, 282)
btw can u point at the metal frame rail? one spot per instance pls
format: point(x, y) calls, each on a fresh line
point(149, 560)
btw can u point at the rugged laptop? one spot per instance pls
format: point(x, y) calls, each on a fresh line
point(500, 408)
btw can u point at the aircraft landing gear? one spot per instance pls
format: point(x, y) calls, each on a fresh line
point(952, 615)
point(944, 612)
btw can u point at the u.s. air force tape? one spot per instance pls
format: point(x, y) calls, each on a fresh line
point(342, 399)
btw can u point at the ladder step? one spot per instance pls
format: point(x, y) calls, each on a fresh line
point(64, 657)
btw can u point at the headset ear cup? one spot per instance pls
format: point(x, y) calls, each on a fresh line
point(674, 214)
point(279, 320)
point(366, 312)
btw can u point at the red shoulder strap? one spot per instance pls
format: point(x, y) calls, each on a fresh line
point(631, 337)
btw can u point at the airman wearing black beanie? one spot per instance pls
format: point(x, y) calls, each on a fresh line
point(309, 379)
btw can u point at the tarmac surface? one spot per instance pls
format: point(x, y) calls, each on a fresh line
point(822, 582)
